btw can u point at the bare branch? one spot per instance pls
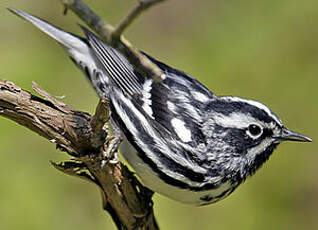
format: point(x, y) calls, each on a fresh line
point(98, 122)
point(59, 124)
point(105, 31)
point(142, 6)
point(86, 137)
point(126, 200)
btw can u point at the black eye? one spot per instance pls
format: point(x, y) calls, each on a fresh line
point(255, 130)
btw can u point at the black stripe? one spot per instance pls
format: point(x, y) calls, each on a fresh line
point(194, 176)
point(108, 66)
point(260, 159)
point(116, 66)
point(124, 66)
point(226, 107)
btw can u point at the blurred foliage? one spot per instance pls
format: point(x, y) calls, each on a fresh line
point(265, 50)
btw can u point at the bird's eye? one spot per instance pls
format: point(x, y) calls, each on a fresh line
point(254, 130)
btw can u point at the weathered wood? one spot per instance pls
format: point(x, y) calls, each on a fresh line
point(76, 132)
point(85, 137)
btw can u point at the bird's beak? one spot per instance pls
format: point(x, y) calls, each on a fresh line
point(288, 135)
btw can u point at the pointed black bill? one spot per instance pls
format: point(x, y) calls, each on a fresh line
point(288, 135)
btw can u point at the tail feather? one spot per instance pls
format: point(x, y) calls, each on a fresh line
point(77, 48)
point(68, 40)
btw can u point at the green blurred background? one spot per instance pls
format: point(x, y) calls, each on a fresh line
point(265, 50)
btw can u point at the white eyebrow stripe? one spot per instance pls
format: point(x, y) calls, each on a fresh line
point(258, 105)
point(235, 120)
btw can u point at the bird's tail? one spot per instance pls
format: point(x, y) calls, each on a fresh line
point(68, 40)
point(76, 47)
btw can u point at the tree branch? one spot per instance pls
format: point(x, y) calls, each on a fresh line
point(142, 6)
point(101, 116)
point(76, 132)
point(85, 137)
point(114, 36)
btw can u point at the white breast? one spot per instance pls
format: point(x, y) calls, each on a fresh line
point(153, 182)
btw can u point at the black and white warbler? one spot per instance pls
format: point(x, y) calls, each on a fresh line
point(188, 144)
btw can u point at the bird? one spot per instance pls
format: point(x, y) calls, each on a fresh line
point(181, 139)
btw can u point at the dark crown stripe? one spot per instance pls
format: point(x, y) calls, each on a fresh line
point(228, 107)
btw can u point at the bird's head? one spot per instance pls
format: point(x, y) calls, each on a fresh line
point(247, 132)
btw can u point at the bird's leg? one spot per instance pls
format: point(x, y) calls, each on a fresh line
point(110, 149)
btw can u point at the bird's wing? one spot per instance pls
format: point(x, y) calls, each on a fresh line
point(138, 102)
point(163, 121)
point(175, 104)
point(120, 72)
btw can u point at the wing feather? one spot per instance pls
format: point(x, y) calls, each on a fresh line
point(118, 69)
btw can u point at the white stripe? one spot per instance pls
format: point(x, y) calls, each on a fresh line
point(126, 67)
point(125, 79)
point(162, 146)
point(235, 120)
point(179, 127)
point(105, 58)
point(200, 96)
point(258, 149)
point(146, 97)
point(124, 72)
point(172, 107)
point(256, 104)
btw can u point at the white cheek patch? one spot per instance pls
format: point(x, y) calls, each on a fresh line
point(179, 127)
point(253, 152)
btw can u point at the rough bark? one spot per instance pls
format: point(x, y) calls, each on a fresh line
point(85, 138)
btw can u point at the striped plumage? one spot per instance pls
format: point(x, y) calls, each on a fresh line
point(184, 141)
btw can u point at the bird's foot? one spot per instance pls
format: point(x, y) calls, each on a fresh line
point(110, 151)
